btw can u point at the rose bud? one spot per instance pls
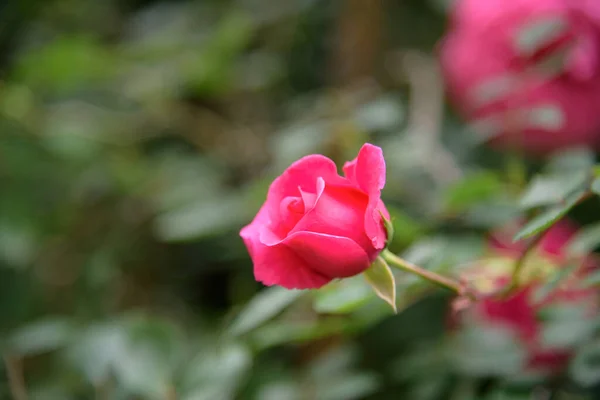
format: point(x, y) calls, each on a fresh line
point(527, 310)
point(526, 70)
point(316, 225)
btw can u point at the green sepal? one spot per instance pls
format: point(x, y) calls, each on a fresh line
point(389, 227)
point(381, 279)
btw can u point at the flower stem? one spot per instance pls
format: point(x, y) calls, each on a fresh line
point(432, 277)
point(520, 263)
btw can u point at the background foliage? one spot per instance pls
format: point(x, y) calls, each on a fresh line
point(137, 137)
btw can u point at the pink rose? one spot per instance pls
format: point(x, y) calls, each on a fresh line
point(316, 226)
point(520, 312)
point(493, 61)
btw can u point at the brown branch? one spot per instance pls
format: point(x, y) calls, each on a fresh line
point(357, 41)
point(16, 381)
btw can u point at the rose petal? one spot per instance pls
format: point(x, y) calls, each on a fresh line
point(280, 265)
point(584, 60)
point(350, 170)
point(307, 260)
point(549, 359)
point(251, 232)
point(332, 256)
point(516, 312)
point(338, 211)
point(291, 210)
point(367, 171)
point(557, 238)
point(310, 199)
point(301, 176)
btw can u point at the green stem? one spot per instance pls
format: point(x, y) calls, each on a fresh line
point(520, 263)
point(432, 277)
point(516, 170)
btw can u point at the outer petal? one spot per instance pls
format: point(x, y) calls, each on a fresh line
point(280, 265)
point(302, 175)
point(338, 211)
point(251, 233)
point(307, 260)
point(332, 256)
point(367, 171)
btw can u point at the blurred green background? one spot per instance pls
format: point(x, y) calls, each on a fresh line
point(137, 137)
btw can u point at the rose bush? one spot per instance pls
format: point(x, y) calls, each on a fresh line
point(528, 70)
point(316, 225)
point(525, 311)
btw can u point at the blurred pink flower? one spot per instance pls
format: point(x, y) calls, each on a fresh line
point(520, 312)
point(527, 70)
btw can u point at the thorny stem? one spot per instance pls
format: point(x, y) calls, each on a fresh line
point(442, 281)
point(16, 382)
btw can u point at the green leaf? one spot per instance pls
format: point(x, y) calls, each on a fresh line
point(140, 352)
point(384, 113)
point(585, 367)
point(565, 326)
point(596, 186)
point(202, 218)
point(492, 213)
point(585, 241)
point(348, 387)
point(406, 228)
point(504, 394)
point(381, 279)
point(264, 306)
point(67, 63)
point(17, 244)
point(571, 160)
point(288, 390)
point(477, 188)
point(593, 279)
point(97, 350)
point(153, 349)
point(545, 220)
point(342, 297)
point(480, 350)
point(440, 253)
point(40, 337)
point(277, 333)
point(216, 372)
point(547, 190)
